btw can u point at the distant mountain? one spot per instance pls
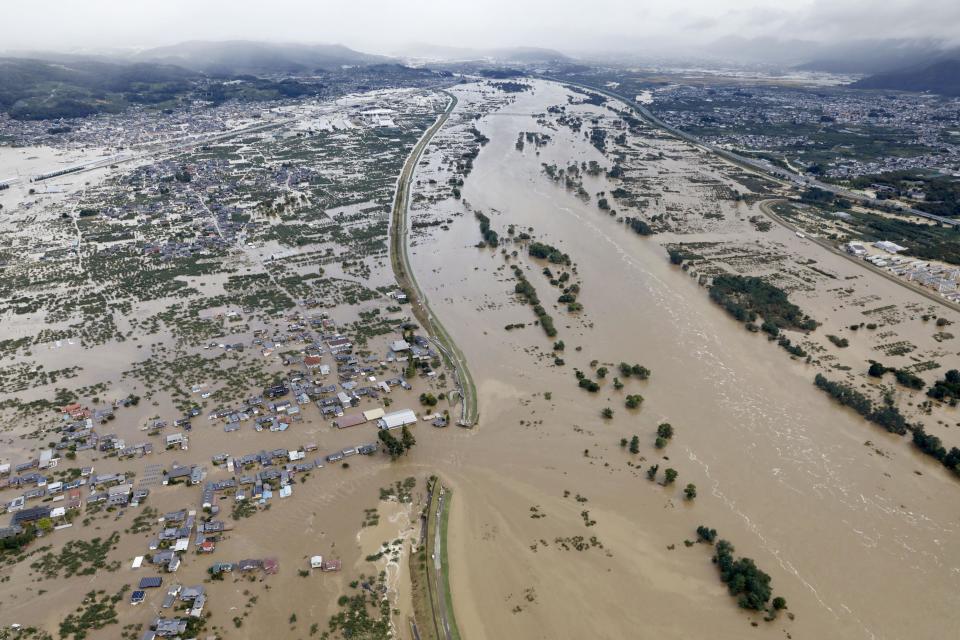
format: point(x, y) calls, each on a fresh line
point(878, 56)
point(241, 57)
point(941, 77)
point(865, 56)
point(768, 51)
point(36, 89)
point(506, 55)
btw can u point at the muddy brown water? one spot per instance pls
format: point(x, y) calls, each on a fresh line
point(860, 545)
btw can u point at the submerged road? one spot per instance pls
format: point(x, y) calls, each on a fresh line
point(400, 261)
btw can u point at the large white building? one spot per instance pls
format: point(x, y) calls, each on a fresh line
point(397, 419)
point(889, 247)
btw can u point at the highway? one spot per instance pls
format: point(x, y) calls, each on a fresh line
point(782, 176)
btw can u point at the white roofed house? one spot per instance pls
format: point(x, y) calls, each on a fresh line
point(338, 344)
point(397, 419)
point(176, 440)
point(47, 459)
point(889, 247)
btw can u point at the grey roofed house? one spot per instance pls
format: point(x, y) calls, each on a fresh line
point(191, 593)
point(166, 627)
point(118, 500)
point(249, 564)
point(198, 604)
point(269, 474)
point(32, 494)
point(30, 515)
point(170, 533)
point(163, 557)
point(94, 498)
point(177, 473)
point(9, 532)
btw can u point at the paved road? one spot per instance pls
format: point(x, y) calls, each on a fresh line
point(769, 171)
point(438, 569)
point(405, 278)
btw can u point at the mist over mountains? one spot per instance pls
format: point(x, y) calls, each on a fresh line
point(239, 57)
point(42, 84)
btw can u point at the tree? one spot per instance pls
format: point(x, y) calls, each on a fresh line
point(407, 439)
point(876, 370)
point(665, 430)
point(742, 577)
point(633, 401)
point(669, 476)
point(45, 525)
point(690, 491)
point(652, 472)
point(635, 444)
point(623, 443)
point(602, 372)
point(706, 534)
point(779, 603)
point(393, 446)
point(617, 384)
point(607, 413)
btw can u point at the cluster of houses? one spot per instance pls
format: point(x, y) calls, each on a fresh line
point(194, 597)
point(273, 411)
point(942, 279)
point(257, 476)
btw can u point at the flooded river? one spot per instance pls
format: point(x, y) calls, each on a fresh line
point(861, 545)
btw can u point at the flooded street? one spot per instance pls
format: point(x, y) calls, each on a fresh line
point(861, 545)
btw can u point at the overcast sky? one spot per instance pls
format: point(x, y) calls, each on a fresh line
point(382, 26)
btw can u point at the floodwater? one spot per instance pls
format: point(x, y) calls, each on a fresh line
point(861, 545)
